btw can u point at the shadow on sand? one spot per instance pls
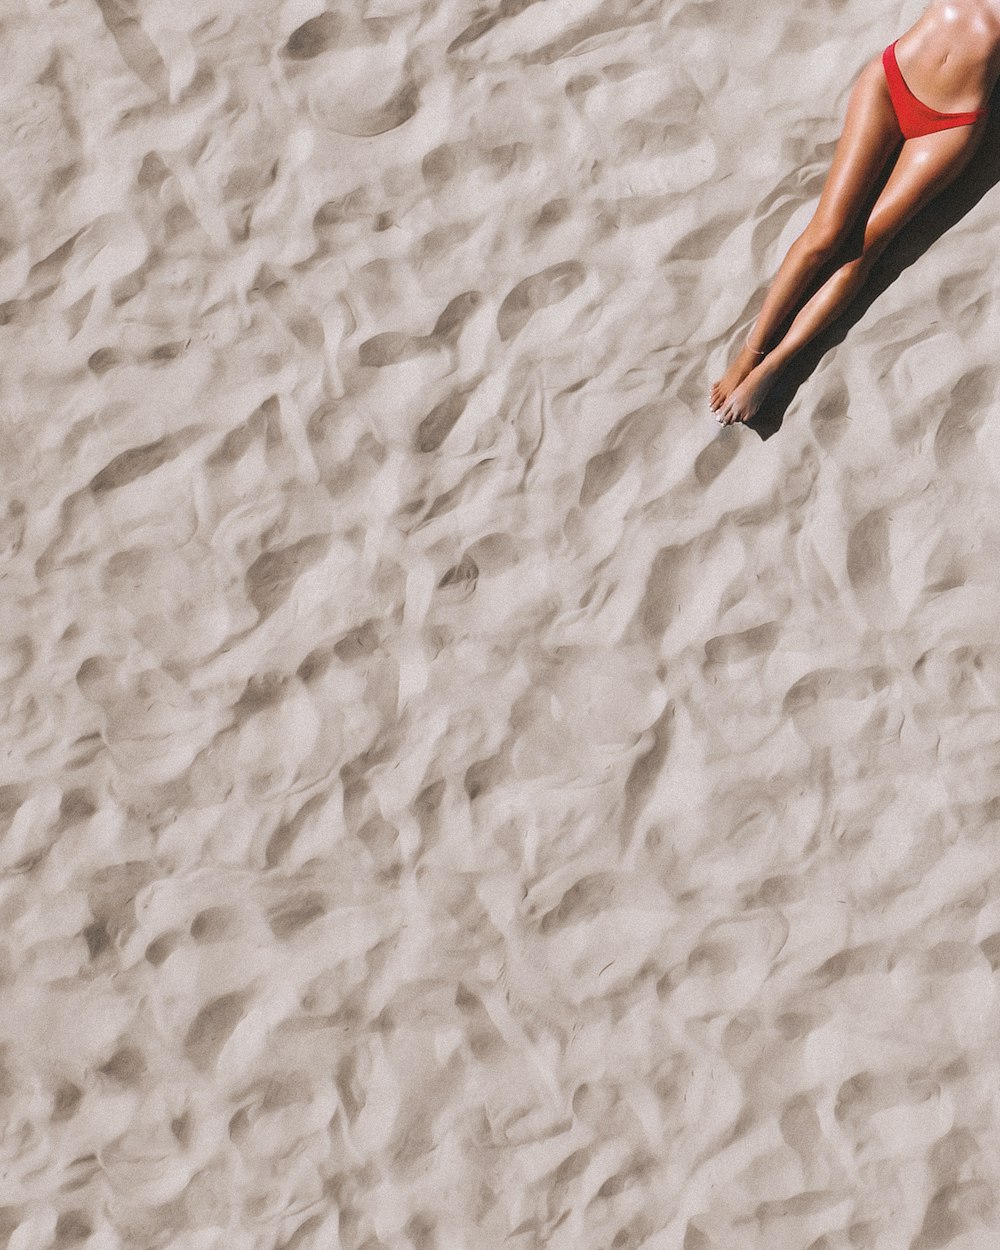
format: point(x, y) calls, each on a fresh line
point(943, 212)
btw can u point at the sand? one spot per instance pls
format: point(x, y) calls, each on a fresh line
point(454, 795)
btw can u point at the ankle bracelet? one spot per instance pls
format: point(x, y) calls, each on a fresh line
point(754, 349)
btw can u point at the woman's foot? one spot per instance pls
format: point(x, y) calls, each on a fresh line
point(747, 397)
point(734, 375)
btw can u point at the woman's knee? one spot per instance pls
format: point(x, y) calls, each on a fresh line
point(853, 273)
point(821, 238)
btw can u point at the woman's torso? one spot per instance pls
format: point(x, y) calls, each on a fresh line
point(950, 58)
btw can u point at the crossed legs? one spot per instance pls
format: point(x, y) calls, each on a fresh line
point(871, 134)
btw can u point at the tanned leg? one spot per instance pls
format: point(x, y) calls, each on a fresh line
point(870, 135)
point(824, 307)
point(926, 165)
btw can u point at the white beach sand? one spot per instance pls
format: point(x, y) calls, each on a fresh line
point(453, 794)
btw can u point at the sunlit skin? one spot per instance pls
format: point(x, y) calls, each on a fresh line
point(950, 60)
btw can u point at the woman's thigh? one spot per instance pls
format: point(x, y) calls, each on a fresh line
point(925, 166)
point(870, 135)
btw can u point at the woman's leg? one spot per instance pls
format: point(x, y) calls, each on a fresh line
point(870, 135)
point(926, 165)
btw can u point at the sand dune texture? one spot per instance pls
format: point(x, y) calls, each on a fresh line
point(454, 795)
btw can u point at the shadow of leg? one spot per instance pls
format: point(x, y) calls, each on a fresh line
point(943, 212)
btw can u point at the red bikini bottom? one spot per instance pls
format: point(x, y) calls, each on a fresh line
point(914, 117)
